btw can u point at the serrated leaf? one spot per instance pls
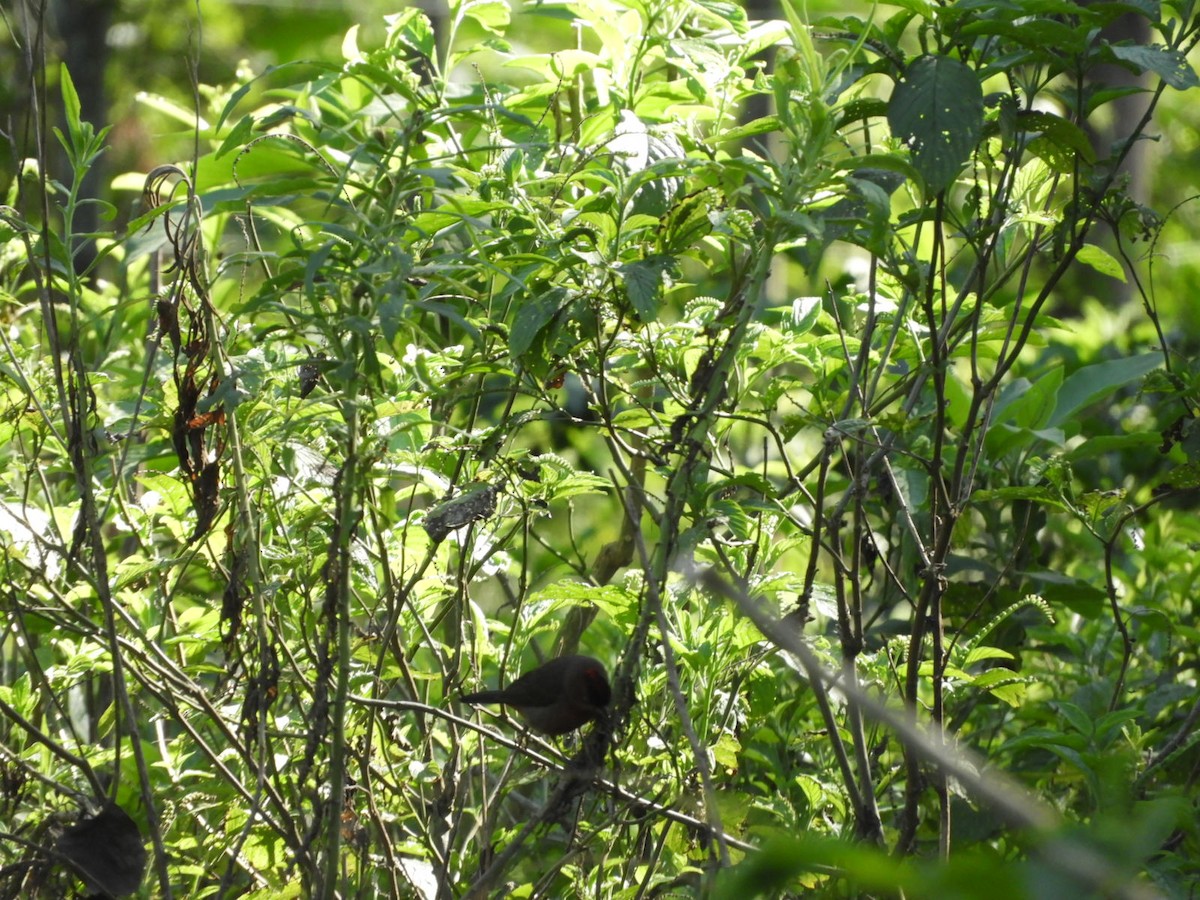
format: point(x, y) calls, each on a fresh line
point(937, 109)
point(643, 284)
point(734, 517)
point(610, 599)
point(579, 483)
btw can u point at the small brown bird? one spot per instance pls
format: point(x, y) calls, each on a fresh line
point(560, 696)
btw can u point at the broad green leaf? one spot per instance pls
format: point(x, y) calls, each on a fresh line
point(613, 600)
point(644, 283)
point(1091, 383)
point(978, 654)
point(937, 109)
point(533, 316)
point(1059, 143)
point(725, 751)
point(1023, 411)
point(1078, 719)
point(1012, 693)
point(992, 677)
point(491, 15)
point(1168, 64)
point(1102, 261)
point(578, 483)
point(633, 418)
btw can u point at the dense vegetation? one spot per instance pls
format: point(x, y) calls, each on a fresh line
point(825, 380)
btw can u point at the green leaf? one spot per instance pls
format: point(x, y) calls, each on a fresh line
point(981, 653)
point(1102, 261)
point(643, 284)
point(613, 601)
point(1183, 477)
point(937, 109)
point(1059, 143)
point(1023, 411)
point(773, 869)
point(181, 114)
point(71, 106)
point(1036, 405)
point(410, 29)
point(1021, 492)
point(763, 125)
point(1101, 444)
point(579, 483)
point(797, 319)
point(725, 751)
point(1076, 717)
point(1089, 384)
point(533, 316)
point(634, 418)
point(1078, 596)
point(1168, 64)
point(920, 7)
point(492, 15)
point(950, 672)
point(993, 678)
point(391, 316)
point(238, 137)
point(860, 109)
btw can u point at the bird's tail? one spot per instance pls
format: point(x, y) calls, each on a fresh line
point(483, 697)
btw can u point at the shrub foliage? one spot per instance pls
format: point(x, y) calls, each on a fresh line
point(748, 356)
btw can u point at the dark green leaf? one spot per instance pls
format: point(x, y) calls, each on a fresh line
point(1091, 383)
point(1169, 65)
point(533, 316)
point(644, 283)
point(1061, 134)
point(937, 109)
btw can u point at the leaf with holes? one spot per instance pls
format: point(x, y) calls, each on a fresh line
point(937, 109)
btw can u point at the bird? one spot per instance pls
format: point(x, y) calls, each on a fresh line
point(557, 697)
point(107, 851)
